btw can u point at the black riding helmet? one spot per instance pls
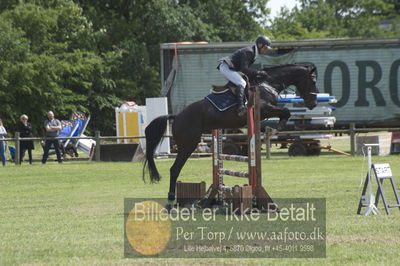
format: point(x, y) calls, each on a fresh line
point(264, 40)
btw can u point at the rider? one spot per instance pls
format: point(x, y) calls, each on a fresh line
point(241, 60)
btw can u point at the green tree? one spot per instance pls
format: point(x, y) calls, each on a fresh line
point(69, 55)
point(51, 65)
point(338, 18)
point(14, 68)
point(231, 20)
point(132, 30)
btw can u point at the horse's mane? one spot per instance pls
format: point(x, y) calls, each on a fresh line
point(273, 67)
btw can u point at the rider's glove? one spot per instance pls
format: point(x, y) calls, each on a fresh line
point(262, 74)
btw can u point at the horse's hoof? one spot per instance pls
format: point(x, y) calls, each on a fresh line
point(271, 131)
point(169, 207)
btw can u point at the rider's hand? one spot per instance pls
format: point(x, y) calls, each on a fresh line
point(262, 74)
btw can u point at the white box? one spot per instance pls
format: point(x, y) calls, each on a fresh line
point(383, 139)
point(156, 107)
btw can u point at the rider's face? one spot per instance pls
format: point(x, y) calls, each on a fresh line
point(263, 50)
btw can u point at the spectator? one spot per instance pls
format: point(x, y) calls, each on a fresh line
point(52, 126)
point(3, 133)
point(25, 130)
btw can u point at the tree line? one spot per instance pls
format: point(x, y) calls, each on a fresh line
point(68, 55)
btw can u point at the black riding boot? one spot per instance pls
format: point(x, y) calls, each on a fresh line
point(240, 98)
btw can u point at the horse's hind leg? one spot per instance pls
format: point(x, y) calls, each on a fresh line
point(186, 143)
point(174, 173)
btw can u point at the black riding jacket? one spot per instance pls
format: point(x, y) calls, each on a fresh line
point(241, 60)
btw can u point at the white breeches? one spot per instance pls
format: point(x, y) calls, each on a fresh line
point(232, 75)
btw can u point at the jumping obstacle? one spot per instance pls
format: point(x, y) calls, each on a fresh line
point(262, 200)
point(292, 98)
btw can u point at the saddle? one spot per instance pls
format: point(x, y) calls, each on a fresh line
point(216, 89)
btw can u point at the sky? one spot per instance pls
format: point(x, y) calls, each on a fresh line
point(275, 5)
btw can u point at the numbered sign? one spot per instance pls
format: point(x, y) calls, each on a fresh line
point(382, 170)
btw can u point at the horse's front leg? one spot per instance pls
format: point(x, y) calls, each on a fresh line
point(269, 111)
point(284, 116)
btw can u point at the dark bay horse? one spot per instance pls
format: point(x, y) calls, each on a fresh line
point(202, 116)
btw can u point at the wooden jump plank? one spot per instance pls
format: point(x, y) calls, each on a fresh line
point(233, 173)
point(237, 158)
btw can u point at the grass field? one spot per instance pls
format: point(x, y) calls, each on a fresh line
point(73, 213)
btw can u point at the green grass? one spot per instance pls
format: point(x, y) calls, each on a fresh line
point(73, 213)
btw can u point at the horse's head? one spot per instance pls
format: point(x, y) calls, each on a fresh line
point(303, 76)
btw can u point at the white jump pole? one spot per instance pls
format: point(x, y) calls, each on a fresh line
point(371, 208)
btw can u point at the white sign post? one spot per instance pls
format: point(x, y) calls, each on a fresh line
point(371, 208)
point(382, 171)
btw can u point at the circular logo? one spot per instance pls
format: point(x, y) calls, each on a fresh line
point(148, 228)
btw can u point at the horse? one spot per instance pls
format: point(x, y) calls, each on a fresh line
point(202, 116)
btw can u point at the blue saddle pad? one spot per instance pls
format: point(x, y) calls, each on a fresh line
point(222, 101)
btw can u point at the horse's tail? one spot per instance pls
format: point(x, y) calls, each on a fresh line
point(154, 132)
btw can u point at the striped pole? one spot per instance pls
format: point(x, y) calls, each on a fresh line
point(252, 148)
point(257, 137)
point(233, 173)
point(215, 156)
point(237, 158)
point(217, 162)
